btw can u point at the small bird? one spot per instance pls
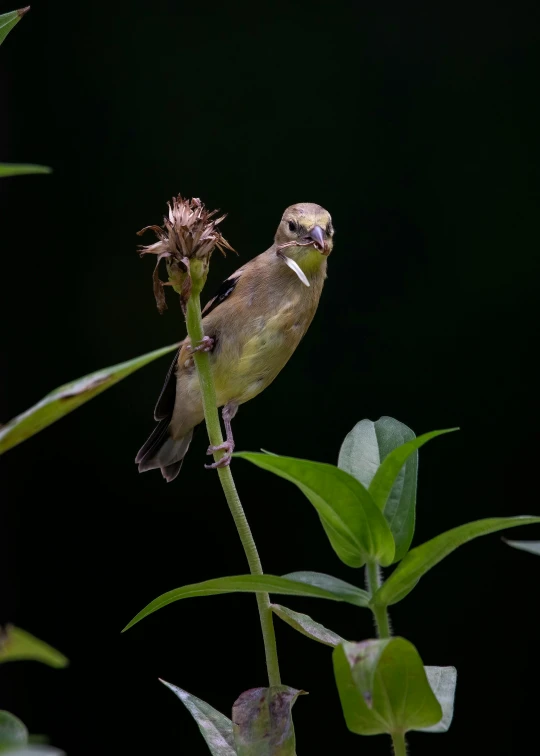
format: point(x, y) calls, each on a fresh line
point(252, 326)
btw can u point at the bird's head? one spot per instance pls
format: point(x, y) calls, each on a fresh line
point(305, 234)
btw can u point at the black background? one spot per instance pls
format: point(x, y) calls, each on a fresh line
point(417, 127)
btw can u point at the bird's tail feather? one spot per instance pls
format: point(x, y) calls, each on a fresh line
point(164, 452)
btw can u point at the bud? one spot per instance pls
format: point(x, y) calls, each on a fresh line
point(186, 241)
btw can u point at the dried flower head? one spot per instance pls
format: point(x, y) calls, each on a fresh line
point(186, 241)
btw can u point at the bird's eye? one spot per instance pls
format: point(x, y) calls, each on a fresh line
point(292, 226)
point(329, 230)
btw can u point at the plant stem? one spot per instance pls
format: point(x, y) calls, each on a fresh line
point(373, 579)
point(382, 621)
point(400, 746)
point(211, 416)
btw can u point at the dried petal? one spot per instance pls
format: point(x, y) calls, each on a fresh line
point(189, 232)
point(158, 284)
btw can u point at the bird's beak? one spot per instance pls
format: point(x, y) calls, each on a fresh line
point(316, 235)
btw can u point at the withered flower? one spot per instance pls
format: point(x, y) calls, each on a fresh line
point(186, 241)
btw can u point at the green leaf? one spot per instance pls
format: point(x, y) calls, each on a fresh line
point(383, 687)
point(216, 728)
point(421, 559)
point(344, 505)
point(253, 584)
point(383, 480)
point(18, 645)
point(65, 399)
point(13, 733)
point(304, 624)
point(533, 547)
point(33, 750)
point(262, 721)
point(9, 20)
point(356, 596)
point(348, 554)
point(361, 454)
point(442, 681)
point(22, 169)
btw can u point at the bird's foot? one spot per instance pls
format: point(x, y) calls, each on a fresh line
point(225, 461)
point(206, 345)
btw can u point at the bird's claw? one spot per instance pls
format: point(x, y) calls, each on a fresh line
point(225, 461)
point(206, 345)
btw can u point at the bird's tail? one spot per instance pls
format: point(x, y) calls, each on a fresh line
point(164, 452)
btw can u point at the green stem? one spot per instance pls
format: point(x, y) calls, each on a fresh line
point(373, 579)
point(382, 620)
point(211, 416)
point(400, 746)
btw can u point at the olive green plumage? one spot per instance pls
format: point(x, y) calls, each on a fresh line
point(256, 321)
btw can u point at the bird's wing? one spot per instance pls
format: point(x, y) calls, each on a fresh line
point(165, 403)
point(224, 291)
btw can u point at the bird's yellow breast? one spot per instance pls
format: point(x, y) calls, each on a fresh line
point(243, 370)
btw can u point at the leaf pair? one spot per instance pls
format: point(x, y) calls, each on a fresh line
point(361, 454)
point(261, 722)
point(383, 456)
point(442, 680)
point(374, 516)
point(314, 584)
point(318, 585)
point(385, 688)
point(367, 504)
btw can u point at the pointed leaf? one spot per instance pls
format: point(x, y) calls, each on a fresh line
point(443, 683)
point(533, 547)
point(251, 584)
point(216, 728)
point(13, 733)
point(33, 750)
point(367, 445)
point(356, 595)
point(421, 559)
point(65, 399)
point(22, 169)
point(359, 454)
point(348, 554)
point(363, 450)
point(17, 645)
point(400, 507)
point(9, 20)
point(383, 687)
point(307, 626)
point(262, 721)
point(384, 478)
point(342, 503)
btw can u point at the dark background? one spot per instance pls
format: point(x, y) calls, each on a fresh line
point(417, 127)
